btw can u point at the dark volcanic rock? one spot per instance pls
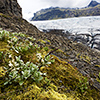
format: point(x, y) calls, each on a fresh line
point(10, 7)
point(16, 24)
point(11, 18)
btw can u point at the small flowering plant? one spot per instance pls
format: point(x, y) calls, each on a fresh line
point(1, 54)
point(19, 71)
point(44, 60)
point(4, 35)
point(20, 47)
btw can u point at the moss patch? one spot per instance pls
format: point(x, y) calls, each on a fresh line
point(61, 81)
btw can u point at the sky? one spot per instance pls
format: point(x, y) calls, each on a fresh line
point(32, 6)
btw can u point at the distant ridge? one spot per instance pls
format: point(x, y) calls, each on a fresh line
point(93, 9)
point(93, 3)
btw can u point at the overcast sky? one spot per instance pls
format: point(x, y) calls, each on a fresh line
point(36, 5)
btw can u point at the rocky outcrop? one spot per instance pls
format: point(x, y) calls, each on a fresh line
point(11, 18)
point(10, 7)
point(16, 24)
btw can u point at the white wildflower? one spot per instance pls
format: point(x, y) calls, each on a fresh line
point(13, 61)
point(16, 51)
point(42, 61)
point(48, 62)
point(39, 56)
point(16, 64)
point(41, 73)
point(31, 43)
point(44, 74)
point(9, 56)
point(10, 64)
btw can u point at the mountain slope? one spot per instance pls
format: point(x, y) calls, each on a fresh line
point(28, 70)
point(93, 9)
point(42, 66)
point(93, 3)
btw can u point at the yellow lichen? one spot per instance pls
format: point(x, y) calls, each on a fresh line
point(2, 72)
point(52, 86)
point(42, 41)
point(97, 65)
point(52, 95)
point(98, 80)
point(3, 46)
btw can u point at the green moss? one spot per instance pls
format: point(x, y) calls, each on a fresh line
point(3, 46)
point(66, 78)
point(61, 82)
point(6, 16)
point(2, 72)
point(98, 80)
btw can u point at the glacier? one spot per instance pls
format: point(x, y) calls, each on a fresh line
point(77, 24)
point(82, 29)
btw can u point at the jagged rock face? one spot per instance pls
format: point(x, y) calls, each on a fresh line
point(11, 18)
point(10, 7)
